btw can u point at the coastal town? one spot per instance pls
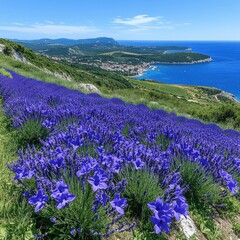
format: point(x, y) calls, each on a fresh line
point(126, 69)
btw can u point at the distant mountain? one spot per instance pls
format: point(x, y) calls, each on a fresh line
point(65, 41)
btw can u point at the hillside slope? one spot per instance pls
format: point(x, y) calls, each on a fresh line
point(120, 152)
point(208, 104)
point(28, 57)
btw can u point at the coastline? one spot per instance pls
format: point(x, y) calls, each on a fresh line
point(206, 60)
point(151, 66)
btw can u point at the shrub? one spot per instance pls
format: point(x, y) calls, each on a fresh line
point(142, 187)
point(78, 220)
point(30, 133)
point(201, 186)
point(8, 51)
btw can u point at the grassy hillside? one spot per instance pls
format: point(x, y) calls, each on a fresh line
point(108, 81)
point(17, 219)
point(207, 104)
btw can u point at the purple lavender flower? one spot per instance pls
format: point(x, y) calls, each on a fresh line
point(53, 220)
point(98, 182)
point(161, 222)
point(138, 164)
point(118, 203)
point(39, 201)
point(104, 198)
point(61, 195)
point(231, 182)
point(180, 209)
point(64, 199)
point(73, 232)
point(61, 187)
point(163, 215)
point(57, 163)
point(22, 172)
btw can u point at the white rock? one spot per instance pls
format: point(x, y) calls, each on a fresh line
point(154, 103)
point(89, 88)
point(17, 56)
point(188, 227)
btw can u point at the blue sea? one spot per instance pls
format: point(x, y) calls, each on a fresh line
point(223, 72)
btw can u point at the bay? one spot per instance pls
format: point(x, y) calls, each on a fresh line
point(223, 72)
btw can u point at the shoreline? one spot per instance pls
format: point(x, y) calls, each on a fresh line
point(151, 66)
point(206, 60)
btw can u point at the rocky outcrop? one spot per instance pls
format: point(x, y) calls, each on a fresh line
point(89, 88)
point(63, 76)
point(188, 227)
point(17, 56)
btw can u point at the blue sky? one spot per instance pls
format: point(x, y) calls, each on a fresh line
point(122, 20)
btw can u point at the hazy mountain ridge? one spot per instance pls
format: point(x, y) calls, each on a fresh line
point(66, 41)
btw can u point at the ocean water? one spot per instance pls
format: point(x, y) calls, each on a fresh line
point(223, 72)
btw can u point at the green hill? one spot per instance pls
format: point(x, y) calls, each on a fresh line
point(31, 61)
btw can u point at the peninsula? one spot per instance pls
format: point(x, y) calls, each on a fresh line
point(108, 54)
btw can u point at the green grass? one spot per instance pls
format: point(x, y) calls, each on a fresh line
point(30, 133)
point(201, 186)
point(5, 73)
point(142, 188)
point(178, 90)
point(204, 219)
point(15, 214)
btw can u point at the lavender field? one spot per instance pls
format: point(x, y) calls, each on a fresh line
point(91, 167)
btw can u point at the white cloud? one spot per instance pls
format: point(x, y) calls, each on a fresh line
point(50, 29)
point(138, 20)
point(49, 22)
point(146, 28)
point(146, 23)
point(18, 24)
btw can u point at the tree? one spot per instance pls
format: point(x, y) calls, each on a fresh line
point(8, 51)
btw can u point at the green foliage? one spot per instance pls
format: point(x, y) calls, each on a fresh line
point(236, 227)
point(210, 91)
point(181, 57)
point(8, 51)
point(231, 210)
point(203, 218)
point(201, 186)
point(146, 235)
point(30, 133)
point(15, 213)
point(79, 214)
point(143, 187)
point(5, 73)
point(224, 113)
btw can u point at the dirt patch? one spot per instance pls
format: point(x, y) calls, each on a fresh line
point(225, 226)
